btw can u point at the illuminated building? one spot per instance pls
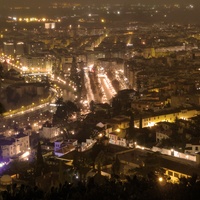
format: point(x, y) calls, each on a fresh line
point(13, 146)
point(165, 116)
point(50, 25)
point(49, 132)
point(38, 63)
point(19, 50)
point(9, 48)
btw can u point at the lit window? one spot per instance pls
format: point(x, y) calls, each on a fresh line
point(176, 175)
point(170, 173)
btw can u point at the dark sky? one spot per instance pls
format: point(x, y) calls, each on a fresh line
point(10, 2)
point(4, 4)
point(181, 15)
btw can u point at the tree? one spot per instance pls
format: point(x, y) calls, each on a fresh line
point(2, 108)
point(79, 163)
point(95, 151)
point(61, 115)
point(92, 106)
point(71, 107)
point(116, 167)
point(177, 138)
point(19, 168)
point(130, 131)
point(1, 70)
point(150, 168)
point(116, 105)
point(64, 110)
point(61, 172)
point(39, 160)
point(194, 126)
point(100, 160)
point(116, 85)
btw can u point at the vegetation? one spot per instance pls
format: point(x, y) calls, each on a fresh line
point(182, 132)
point(132, 188)
point(2, 109)
point(116, 167)
point(194, 127)
point(63, 112)
point(39, 160)
point(150, 167)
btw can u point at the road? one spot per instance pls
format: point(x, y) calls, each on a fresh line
point(34, 119)
point(122, 80)
point(107, 88)
point(90, 95)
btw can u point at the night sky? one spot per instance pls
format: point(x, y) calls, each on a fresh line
point(44, 4)
point(32, 2)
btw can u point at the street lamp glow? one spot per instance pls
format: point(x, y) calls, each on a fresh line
point(100, 135)
point(160, 179)
point(118, 130)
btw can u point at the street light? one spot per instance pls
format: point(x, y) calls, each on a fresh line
point(100, 135)
point(118, 130)
point(160, 179)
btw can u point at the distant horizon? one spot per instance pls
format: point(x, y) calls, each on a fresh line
point(159, 2)
point(179, 15)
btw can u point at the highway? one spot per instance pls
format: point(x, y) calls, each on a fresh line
point(122, 80)
point(24, 111)
point(34, 119)
point(107, 88)
point(90, 95)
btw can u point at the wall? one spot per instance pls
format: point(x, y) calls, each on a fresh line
point(169, 117)
point(174, 153)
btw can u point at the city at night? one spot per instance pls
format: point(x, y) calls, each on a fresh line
point(99, 100)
